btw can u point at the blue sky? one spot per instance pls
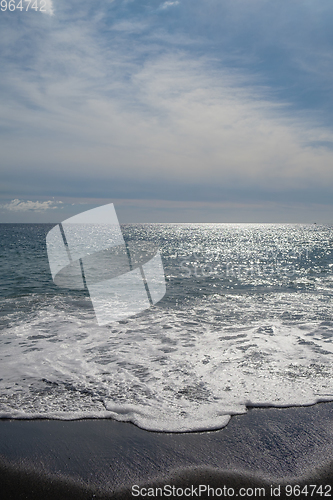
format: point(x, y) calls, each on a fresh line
point(176, 111)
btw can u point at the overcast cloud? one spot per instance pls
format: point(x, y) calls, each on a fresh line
point(208, 111)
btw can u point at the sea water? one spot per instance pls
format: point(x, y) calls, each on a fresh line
point(246, 321)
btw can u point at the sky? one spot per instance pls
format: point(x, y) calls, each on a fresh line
point(175, 111)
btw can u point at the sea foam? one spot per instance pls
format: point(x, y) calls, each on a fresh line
point(204, 353)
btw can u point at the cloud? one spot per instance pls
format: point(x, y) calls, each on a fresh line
point(166, 5)
point(175, 118)
point(30, 206)
point(131, 101)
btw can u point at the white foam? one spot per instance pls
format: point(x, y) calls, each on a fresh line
point(169, 369)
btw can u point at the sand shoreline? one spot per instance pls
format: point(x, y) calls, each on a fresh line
point(78, 459)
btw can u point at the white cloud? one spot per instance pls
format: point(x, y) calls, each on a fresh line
point(28, 206)
point(128, 111)
point(173, 118)
point(166, 5)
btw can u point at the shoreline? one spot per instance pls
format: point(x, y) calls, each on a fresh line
point(102, 457)
point(249, 407)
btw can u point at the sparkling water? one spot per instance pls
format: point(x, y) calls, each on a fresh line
point(246, 320)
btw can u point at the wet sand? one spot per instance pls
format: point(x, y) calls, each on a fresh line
point(103, 459)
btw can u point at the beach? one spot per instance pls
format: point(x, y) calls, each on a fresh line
point(266, 448)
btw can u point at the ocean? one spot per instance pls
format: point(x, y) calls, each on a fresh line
point(246, 321)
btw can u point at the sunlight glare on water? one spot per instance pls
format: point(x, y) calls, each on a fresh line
point(246, 320)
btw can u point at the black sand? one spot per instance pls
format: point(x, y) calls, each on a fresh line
point(52, 459)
